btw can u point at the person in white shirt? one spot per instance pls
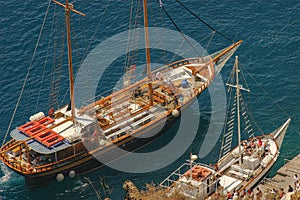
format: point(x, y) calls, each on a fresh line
point(297, 186)
point(295, 181)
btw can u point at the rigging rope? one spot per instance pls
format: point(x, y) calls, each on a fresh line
point(229, 113)
point(95, 32)
point(231, 82)
point(178, 29)
point(133, 55)
point(43, 75)
point(181, 43)
point(47, 54)
point(102, 14)
point(163, 57)
point(213, 29)
point(177, 50)
point(128, 37)
point(58, 49)
point(27, 75)
point(132, 42)
point(265, 92)
point(211, 37)
point(222, 152)
point(252, 118)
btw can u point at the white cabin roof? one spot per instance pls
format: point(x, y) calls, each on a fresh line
point(229, 183)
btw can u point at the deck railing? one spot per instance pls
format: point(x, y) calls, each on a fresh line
point(176, 64)
point(178, 173)
point(27, 168)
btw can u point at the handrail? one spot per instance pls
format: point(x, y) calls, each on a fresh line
point(30, 138)
point(57, 162)
point(36, 169)
point(15, 145)
point(85, 108)
point(174, 65)
point(186, 164)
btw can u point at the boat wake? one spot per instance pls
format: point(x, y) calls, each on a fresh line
point(6, 174)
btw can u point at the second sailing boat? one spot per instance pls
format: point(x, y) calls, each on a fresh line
point(239, 168)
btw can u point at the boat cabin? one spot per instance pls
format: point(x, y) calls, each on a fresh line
point(198, 181)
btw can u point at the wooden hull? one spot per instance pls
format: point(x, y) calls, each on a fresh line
point(109, 154)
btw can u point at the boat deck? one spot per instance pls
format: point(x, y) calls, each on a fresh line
point(37, 146)
point(282, 179)
point(235, 176)
point(122, 113)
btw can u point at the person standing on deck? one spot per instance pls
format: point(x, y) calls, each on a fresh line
point(236, 195)
point(295, 181)
point(290, 189)
point(258, 194)
point(297, 186)
point(281, 193)
point(229, 196)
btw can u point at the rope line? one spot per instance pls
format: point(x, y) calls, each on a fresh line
point(177, 50)
point(96, 30)
point(265, 92)
point(27, 75)
point(211, 38)
point(178, 29)
point(213, 29)
point(128, 37)
point(252, 118)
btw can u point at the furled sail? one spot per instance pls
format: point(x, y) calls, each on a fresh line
point(221, 57)
point(280, 132)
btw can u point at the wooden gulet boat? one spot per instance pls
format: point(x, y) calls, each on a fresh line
point(69, 140)
point(238, 169)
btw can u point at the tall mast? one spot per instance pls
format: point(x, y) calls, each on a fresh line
point(148, 61)
point(69, 7)
point(238, 90)
point(238, 107)
point(70, 61)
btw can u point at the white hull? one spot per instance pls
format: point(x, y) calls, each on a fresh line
point(230, 176)
point(240, 168)
point(278, 134)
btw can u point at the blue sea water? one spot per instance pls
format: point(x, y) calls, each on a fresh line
point(270, 52)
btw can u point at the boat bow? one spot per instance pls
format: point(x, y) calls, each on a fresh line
point(220, 58)
point(280, 133)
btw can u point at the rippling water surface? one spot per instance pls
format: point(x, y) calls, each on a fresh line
point(270, 52)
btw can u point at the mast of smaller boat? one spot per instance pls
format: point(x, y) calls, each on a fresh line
point(69, 7)
point(238, 107)
point(147, 46)
point(238, 90)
